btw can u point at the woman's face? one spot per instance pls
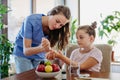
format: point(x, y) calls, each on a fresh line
point(83, 39)
point(57, 21)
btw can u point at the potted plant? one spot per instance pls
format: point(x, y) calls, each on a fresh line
point(6, 47)
point(73, 31)
point(110, 27)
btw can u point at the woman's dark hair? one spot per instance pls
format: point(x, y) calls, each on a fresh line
point(90, 29)
point(60, 36)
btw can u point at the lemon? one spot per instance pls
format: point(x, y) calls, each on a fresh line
point(48, 68)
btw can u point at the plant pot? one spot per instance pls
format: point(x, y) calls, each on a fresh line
point(4, 70)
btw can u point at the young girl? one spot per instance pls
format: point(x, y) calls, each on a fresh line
point(30, 48)
point(87, 55)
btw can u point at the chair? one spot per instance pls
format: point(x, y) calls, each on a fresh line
point(106, 52)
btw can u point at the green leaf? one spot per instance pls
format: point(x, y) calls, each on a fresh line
point(73, 30)
point(6, 47)
point(112, 42)
point(1, 26)
point(110, 24)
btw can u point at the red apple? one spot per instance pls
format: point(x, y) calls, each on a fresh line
point(55, 67)
point(41, 68)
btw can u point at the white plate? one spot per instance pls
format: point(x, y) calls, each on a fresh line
point(47, 75)
point(89, 78)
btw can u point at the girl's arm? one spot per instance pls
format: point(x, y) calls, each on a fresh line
point(90, 62)
point(53, 54)
point(83, 66)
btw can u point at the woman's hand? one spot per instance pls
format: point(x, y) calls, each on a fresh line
point(45, 44)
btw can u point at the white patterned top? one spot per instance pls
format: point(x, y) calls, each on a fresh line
point(81, 58)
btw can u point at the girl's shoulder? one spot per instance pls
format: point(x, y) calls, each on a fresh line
point(95, 49)
point(97, 54)
point(76, 50)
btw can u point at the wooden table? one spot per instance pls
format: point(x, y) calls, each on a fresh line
point(31, 75)
point(28, 75)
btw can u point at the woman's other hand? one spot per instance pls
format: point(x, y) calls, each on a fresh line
point(45, 44)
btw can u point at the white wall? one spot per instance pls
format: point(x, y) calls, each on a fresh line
point(73, 5)
point(90, 11)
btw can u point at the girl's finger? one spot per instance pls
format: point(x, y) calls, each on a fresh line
point(60, 52)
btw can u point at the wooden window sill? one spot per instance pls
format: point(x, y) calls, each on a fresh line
point(115, 63)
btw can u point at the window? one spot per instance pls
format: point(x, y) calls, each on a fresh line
point(22, 8)
point(90, 11)
point(43, 6)
point(19, 10)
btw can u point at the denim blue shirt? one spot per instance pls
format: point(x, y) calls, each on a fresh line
point(30, 29)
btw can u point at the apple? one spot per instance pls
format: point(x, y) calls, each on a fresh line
point(55, 67)
point(41, 68)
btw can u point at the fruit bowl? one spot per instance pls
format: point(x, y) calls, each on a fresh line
point(47, 75)
point(46, 69)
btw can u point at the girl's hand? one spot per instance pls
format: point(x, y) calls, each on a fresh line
point(51, 55)
point(60, 52)
point(45, 45)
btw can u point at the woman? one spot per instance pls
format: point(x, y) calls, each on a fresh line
point(31, 43)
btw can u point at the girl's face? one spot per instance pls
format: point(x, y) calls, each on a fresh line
point(57, 21)
point(83, 39)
